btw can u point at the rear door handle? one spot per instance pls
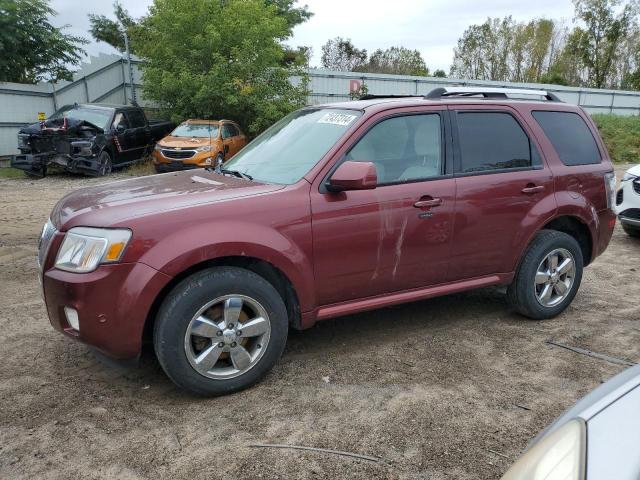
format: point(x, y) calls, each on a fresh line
point(428, 202)
point(533, 189)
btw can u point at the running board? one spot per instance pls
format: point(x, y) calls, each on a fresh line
point(372, 303)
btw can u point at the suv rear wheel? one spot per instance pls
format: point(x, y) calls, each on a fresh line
point(220, 330)
point(548, 276)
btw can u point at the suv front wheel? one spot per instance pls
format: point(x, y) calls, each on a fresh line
point(548, 277)
point(220, 330)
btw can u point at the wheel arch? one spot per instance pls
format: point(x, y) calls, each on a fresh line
point(578, 229)
point(266, 270)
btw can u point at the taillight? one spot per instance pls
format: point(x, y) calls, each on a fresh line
point(610, 186)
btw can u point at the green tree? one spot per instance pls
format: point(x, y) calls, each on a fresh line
point(31, 49)
point(292, 14)
point(207, 58)
point(341, 55)
point(597, 44)
point(104, 29)
point(397, 61)
point(440, 73)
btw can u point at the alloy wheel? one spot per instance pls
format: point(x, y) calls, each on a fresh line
point(555, 277)
point(227, 337)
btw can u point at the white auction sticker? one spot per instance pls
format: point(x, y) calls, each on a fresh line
point(342, 119)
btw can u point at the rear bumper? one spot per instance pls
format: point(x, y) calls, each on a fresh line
point(113, 303)
point(607, 223)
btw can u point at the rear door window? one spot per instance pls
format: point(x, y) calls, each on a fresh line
point(227, 130)
point(136, 118)
point(570, 137)
point(493, 141)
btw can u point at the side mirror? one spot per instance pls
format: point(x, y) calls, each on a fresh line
point(120, 128)
point(353, 176)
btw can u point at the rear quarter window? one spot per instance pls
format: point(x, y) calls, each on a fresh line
point(570, 137)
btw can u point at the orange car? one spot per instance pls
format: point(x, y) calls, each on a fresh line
point(198, 144)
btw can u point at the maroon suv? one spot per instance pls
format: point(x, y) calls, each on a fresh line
point(333, 210)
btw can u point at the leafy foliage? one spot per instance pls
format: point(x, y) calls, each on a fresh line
point(397, 61)
point(218, 59)
point(601, 50)
point(621, 135)
point(103, 29)
point(341, 55)
point(31, 49)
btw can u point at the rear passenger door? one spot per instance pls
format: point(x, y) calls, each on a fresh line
point(228, 133)
point(503, 187)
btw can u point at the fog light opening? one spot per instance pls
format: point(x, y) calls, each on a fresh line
point(72, 318)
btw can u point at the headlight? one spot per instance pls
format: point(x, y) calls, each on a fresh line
point(558, 456)
point(84, 248)
point(628, 176)
point(206, 148)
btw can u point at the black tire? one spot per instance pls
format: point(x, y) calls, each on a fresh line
point(187, 298)
point(631, 231)
point(104, 164)
point(521, 294)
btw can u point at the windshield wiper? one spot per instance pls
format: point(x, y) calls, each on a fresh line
point(236, 173)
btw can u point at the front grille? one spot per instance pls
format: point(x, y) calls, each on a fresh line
point(619, 197)
point(48, 232)
point(636, 186)
point(178, 154)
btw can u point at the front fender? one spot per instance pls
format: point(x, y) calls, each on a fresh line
point(289, 251)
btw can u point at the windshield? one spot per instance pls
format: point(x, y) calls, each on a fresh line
point(99, 118)
point(289, 149)
point(192, 130)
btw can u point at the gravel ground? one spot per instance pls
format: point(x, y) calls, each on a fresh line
point(432, 388)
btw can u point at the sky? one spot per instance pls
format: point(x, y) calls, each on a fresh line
point(430, 26)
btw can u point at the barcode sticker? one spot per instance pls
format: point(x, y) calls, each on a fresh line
point(342, 119)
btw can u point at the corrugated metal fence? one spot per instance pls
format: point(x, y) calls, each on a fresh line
point(105, 79)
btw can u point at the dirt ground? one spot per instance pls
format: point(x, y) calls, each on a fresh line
point(432, 388)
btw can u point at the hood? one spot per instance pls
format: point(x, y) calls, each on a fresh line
point(184, 142)
point(57, 126)
point(635, 170)
point(115, 202)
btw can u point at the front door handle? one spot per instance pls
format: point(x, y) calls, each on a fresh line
point(529, 190)
point(428, 202)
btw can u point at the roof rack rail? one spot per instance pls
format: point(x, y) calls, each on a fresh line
point(370, 96)
point(489, 92)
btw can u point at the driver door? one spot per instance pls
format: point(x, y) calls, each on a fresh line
point(397, 236)
point(124, 139)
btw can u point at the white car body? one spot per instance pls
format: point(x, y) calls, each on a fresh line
point(628, 201)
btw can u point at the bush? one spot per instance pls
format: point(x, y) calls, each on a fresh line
point(621, 135)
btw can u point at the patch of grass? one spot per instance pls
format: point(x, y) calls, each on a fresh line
point(11, 173)
point(141, 169)
point(621, 135)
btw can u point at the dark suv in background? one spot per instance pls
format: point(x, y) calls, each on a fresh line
point(334, 210)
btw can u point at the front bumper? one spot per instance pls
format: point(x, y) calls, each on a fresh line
point(628, 203)
point(36, 164)
point(113, 303)
point(166, 164)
